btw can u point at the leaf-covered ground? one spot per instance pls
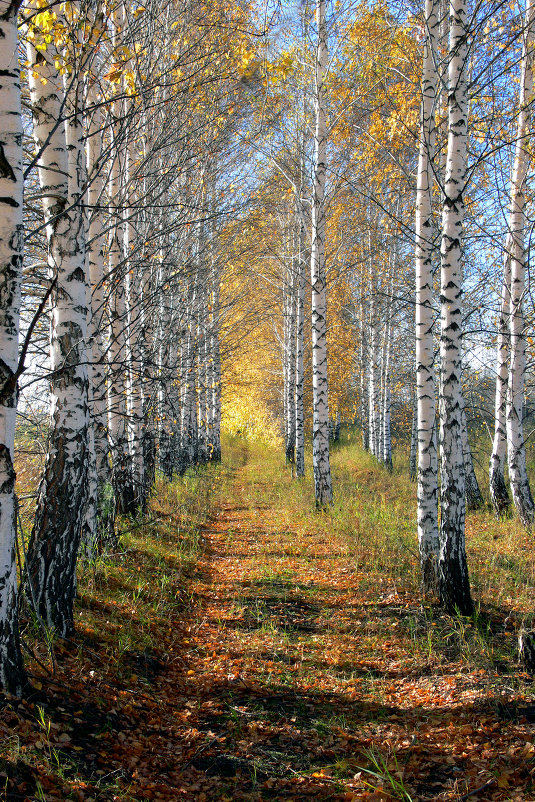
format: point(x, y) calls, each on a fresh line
point(265, 654)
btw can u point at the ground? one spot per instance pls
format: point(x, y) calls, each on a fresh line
point(249, 648)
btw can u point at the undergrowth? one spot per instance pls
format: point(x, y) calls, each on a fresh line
point(236, 632)
point(374, 511)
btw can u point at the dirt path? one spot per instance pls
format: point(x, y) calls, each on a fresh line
point(285, 669)
point(302, 672)
point(271, 691)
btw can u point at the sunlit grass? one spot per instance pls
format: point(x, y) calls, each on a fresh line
point(373, 518)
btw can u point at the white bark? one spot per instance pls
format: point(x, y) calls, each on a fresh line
point(289, 349)
point(12, 677)
point(427, 492)
point(498, 488)
point(387, 400)
point(454, 588)
point(118, 314)
point(54, 542)
point(320, 428)
point(516, 452)
point(96, 245)
point(135, 313)
point(299, 355)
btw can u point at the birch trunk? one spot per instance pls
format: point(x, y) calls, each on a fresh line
point(299, 355)
point(216, 367)
point(414, 445)
point(373, 388)
point(454, 587)
point(518, 476)
point(387, 438)
point(97, 305)
point(134, 324)
point(189, 381)
point(122, 480)
point(54, 542)
point(320, 429)
point(498, 489)
point(364, 356)
point(12, 677)
point(289, 357)
point(118, 313)
point(427, 492)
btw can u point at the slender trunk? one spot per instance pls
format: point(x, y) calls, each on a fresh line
point(12, 677)
point(373, 385)
point(118, 312)
point(299, 354)
point(387, 438)
point(364, 356)
point(518, 476)
point(381, 395)
point(498, 489)
point(454, 587)
point(216, 368)
point(134, 397)
point(54, 542)
point(289, 357)
point(427, 492)
point(320, 428)
point(105, 525)
point(414, 444)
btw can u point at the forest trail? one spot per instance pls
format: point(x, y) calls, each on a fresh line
point(307, 681)
point(288, 658)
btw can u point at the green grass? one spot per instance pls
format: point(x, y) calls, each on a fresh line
point(374, 512)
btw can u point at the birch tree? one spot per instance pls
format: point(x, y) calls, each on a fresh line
point(498, 488)
point(320, 431)
point(427, 492)
point(516, 451)
point(12, 678)
point(454, 588)
point(53, 546)
point(299, 352)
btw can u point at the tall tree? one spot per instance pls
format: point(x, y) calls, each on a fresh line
point(425, 374)
point(55, 538)
point(454, 587)
point(516, 451)
point(498, 488)
point(12, 678)
point(320, 427)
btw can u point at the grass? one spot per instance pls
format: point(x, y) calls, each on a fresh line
point(374, 512)
point(237, 623)
point(125, 613)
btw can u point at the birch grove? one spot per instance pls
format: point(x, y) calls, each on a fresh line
point(302, 229)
